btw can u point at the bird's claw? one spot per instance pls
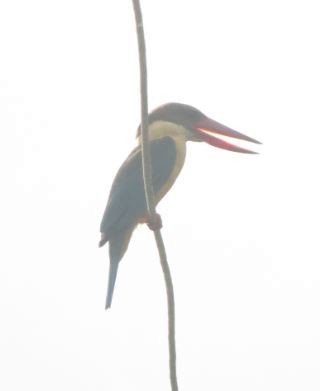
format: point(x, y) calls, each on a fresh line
point(154, 222)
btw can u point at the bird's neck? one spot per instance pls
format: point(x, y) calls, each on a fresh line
point(160, 129)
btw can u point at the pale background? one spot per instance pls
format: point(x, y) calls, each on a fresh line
point(242, 232)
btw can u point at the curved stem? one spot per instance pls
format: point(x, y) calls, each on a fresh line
point(171, 310)
point(147, 178)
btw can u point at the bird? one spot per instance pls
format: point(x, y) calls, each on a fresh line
point(170, 126)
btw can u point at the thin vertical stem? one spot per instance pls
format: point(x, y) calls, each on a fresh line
point(146, 159)
point(147, 178)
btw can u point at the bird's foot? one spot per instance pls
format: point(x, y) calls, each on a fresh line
point(154, 222)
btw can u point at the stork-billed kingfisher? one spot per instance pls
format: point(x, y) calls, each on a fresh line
point(170, 127)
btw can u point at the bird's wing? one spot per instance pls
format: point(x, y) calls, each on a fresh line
point(127, 202)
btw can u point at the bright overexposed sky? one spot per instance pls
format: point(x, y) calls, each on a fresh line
point(241, 231)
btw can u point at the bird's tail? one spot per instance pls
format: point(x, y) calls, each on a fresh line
point(118, 245)
point(113, 270)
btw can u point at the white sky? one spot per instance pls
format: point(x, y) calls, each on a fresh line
point(242, 232)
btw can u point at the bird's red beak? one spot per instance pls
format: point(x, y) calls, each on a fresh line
point(205, 127)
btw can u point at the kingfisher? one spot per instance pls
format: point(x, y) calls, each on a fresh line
point(170, 127)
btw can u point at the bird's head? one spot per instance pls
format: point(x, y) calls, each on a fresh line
point(198, 126)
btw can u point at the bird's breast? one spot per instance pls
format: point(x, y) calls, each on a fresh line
point(179, 135)
point(180, 146)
